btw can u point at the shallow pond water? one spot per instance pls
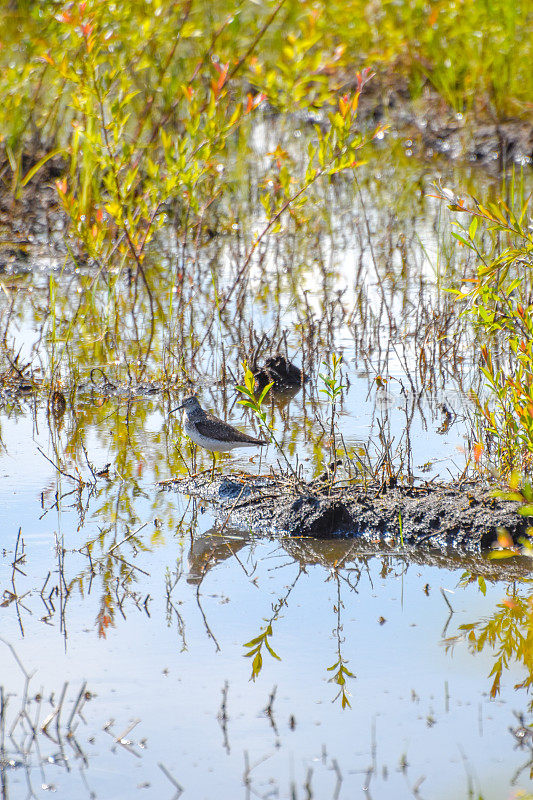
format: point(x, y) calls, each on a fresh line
point(157, 621)
point(135, 590)
point(161, 644)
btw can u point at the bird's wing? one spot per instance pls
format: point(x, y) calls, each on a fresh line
point(224, 431)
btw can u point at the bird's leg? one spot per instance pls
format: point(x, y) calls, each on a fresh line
point(213, 469)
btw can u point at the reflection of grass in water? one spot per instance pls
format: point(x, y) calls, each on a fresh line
point(42, 740)
point(262, 640)
point(156, 124)
point(338, 668)
point(257, 646)
point(508, 633)
point(99, 328)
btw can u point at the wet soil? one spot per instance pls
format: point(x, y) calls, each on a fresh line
point(435, 128)
point(465, 518)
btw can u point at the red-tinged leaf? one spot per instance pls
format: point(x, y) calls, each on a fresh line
point(221, 68)
point(86, 28)
point(505, 539)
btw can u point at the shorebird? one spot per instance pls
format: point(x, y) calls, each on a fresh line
point(210, 432)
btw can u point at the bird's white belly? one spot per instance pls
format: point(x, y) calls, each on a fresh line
point(215, 445)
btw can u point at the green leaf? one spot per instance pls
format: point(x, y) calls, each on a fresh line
point(271, 651)
point(512, 286)
point(264, 393)
point(516, 496)
point(247, 404)
point(500, 554)
point(255, 641)
point(462, 240)
point(257, 664)
point(526, 511)
point(36, 167)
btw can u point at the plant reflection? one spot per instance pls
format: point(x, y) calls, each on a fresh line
point(339, 668)
point(255, 645)
point(508, 633)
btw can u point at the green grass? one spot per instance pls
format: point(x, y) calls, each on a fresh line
point(143, 114)
point(498, 298)
point(476, 54)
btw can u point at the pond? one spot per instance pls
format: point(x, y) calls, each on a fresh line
point(139, 620)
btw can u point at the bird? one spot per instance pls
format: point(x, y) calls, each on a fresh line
point(206, 430)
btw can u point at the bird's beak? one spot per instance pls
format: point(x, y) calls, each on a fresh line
point(175, 409)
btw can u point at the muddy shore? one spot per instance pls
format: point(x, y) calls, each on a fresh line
point(436, 129)
point(465, 518)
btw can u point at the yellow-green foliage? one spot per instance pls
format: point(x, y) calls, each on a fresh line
point(296, 51)
point(149, 108)
point(145, 99)
point(499, 299)
point(507, 634)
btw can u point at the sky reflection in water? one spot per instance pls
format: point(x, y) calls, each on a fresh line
point(159, 631)
point(169, 661)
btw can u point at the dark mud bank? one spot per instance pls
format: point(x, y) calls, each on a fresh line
point(465, 518)
point(435, 129)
